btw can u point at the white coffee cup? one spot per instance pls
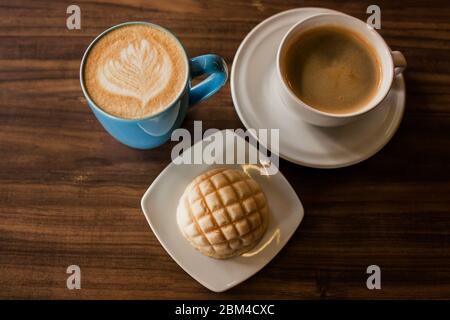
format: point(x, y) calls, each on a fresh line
point(392, 63)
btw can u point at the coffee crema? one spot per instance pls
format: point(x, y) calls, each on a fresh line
point(135, 71)
point(332, 69)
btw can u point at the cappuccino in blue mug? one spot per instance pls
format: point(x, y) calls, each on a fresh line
point(136, 78)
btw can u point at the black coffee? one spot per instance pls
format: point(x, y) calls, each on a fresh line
point(332, 69)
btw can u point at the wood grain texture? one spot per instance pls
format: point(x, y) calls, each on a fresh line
point(69, 193)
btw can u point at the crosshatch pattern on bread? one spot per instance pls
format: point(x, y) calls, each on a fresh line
point(223, 213)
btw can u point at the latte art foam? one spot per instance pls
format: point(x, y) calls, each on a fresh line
point(142, 72)
point(135, 71)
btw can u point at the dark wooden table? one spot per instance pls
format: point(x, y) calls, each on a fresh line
point(70, 194)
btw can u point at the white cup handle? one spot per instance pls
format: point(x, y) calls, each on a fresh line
point(399, 62)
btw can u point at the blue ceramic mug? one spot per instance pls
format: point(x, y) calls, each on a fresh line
point(154, 130)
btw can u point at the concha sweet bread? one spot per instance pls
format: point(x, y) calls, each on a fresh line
point(223, 213)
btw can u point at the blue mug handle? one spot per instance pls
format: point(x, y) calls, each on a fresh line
point(212, 65)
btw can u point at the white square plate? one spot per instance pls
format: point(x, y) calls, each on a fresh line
point(159, 205)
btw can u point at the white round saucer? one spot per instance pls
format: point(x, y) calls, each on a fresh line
point(258, 105)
